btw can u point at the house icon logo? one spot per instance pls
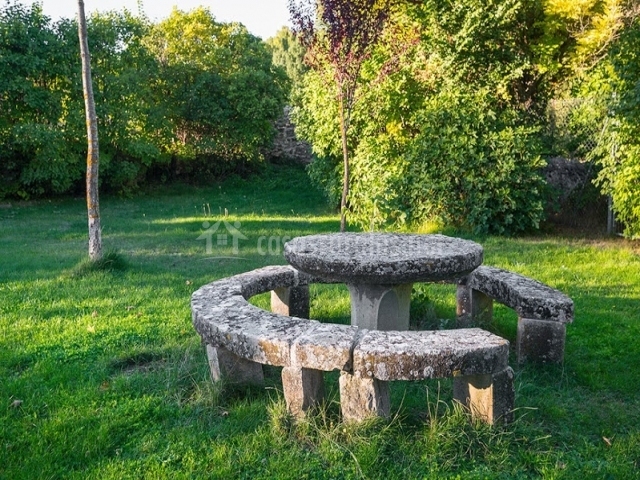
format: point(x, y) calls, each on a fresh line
point(222, 238)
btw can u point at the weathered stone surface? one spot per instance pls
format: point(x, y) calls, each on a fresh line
point(234, 369)
point(540, 341)
point(428, 354)
point(251, 332)
point(489, 398)
point(566, 176)
point(528, 297)
point(239, 335)
point(286, 144)
point(223, 318)
point(303, 388)
point(475, 392)
point(380, 307)
point(504, 396)
point(326, 346)
point(473, 307)
point(383, 258)
point(543, 311)
point(264, 279)
point(361, 398)
point(213, 293)
point(291, 301)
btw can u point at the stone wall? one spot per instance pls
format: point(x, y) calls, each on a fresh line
point(566, 176)
point(286, 145)
point(574, 201)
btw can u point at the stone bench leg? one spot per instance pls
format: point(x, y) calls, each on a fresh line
point(489, 398)
point(472, 307)
point(361, 398)
point(380, 307)
point(292, 301)
point(233, 368)
point(540, 341)
point(303, 388)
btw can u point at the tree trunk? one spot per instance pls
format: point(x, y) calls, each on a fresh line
point(345, 158)
point(93, 158)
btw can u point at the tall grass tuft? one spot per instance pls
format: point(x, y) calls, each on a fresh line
point(111, 261)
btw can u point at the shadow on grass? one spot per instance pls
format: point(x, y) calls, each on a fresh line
point(118, 385)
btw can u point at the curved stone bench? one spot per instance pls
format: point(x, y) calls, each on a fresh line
point(543, 312)
point(240, 337)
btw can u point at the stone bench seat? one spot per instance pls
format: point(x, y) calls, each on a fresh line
point(543, 312)
point(241, 337)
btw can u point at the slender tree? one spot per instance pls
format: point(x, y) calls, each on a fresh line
point(340, 34)
point(93, 157)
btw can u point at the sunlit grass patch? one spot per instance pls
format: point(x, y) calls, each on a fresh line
point(103, 375)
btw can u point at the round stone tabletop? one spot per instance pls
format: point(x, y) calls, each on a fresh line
point(383, 258)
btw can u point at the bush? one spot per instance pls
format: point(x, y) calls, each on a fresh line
point(618, 150)
point(188, 94)
point(474, 166)
point(470, 165)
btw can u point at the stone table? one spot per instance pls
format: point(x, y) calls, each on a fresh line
point(380, 268)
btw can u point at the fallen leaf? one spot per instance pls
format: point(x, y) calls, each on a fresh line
point(188, 282)
point(16, 403)
point(91, 329)
point(94, 314)
point(130, 307)
point(607, 441)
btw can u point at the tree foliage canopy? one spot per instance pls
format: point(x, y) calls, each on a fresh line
point(340, 36)
point(442, 101)
point(288, 53)
point(617, 80)
point(452, 134)
point(187, 97)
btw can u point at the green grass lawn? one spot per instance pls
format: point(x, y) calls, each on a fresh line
point(103, 376)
